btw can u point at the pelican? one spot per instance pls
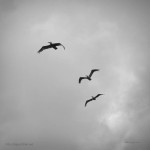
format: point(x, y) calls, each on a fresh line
point(93, 98)
point(51, 45)
point(88, 76)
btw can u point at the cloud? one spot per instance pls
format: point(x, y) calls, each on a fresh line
point(41, 100)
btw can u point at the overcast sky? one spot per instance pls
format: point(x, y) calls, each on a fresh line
point(41, 102)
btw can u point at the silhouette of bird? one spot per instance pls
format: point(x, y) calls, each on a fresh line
point(51, 45)
point(93, 98)
point(88, 76)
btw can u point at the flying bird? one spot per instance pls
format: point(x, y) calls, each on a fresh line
point(88, 76)
point(93, 98)
point(51, 45)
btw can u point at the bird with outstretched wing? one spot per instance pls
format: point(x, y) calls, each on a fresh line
point(98, 95)
point(44, 47)
point(82, 78)
point(51, 45)
point(88, 101)
point(93, 98)
point(88, 76)
point(58, 44)
point(92, 71)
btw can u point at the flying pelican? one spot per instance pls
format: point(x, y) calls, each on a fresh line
point(93, 98)
point(51, 45)
point(88, 76)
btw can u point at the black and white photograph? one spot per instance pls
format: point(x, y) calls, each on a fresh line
point(75, 75)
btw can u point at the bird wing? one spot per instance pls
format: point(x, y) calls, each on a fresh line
point(92, 71)
point(59, 44)
point(81, 79)
point(44, 47)
point(88, 101)
point(98, 95)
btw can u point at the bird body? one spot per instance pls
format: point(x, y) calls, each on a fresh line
point(51, 45)
point(88, 76)
point(93, 98)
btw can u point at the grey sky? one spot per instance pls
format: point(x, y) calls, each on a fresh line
point(41, 101)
